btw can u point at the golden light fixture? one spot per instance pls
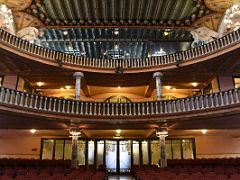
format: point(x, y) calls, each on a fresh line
point(204, 131)
point(194, 84)
point(174, 89)
point(33, 131)
point(168, 87)
point(40, 83)
point(61, 89)
point(119, 87)
point(118, 131)
point(67, 87)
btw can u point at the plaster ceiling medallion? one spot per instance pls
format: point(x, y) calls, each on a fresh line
point(24, 20)
point(210, 21)
point(220, 5)
point(17, 5)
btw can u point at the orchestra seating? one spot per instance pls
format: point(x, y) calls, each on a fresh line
point(21, 169)
point(199, 169)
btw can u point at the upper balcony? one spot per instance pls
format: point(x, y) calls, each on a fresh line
point(170, 111)
point(30, 51)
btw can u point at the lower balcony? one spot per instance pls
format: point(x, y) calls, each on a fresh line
point(196, 107)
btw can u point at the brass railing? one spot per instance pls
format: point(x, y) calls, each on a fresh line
point(57, 105)
point(175, 58)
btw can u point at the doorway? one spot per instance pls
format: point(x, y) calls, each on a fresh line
point(118, 156)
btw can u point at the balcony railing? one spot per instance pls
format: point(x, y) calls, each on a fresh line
point(171, 59)
point(57, 105)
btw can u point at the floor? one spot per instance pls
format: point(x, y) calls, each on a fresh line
point(120, 177)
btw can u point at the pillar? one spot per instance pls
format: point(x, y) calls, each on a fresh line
point(78, 76)
point(162, 133)
point(75, 133)
point(157, 76)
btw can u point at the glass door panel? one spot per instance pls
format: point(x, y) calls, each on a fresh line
point(91, 148)
point(176, 145)
point(155, 151)
point(168, 149)
point(47, 151)
point(100, 152)
point(145, 156)
point(125, 156)
point(187, 148)
point(135, 147)
point(68, 149)
point(111, 156)
point(81, 152)
point(59, 144)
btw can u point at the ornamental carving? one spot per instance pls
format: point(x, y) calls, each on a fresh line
point(220, 5)
point(210, 21)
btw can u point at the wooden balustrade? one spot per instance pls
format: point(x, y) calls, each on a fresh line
point(174, 58)
point(44, 103)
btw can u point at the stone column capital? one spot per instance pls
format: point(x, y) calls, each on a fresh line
point(157, 74)
point(78, 75)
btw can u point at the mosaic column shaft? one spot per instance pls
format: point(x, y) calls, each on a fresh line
point(157, 76)
point(78, 76)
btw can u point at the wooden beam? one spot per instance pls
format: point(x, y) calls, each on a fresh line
point(150, 88)
point(85, 88)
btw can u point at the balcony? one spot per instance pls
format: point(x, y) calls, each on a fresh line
point(205, 52)
point(210, 104)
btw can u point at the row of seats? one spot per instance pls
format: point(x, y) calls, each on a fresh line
point(199, 169)
point(46, 170)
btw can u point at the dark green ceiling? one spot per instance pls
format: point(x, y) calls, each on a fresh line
point(118, 12)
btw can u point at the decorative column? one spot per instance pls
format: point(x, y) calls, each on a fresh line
point(158, 76)
point(162, 133)
point(78, 76)
point(75, 133)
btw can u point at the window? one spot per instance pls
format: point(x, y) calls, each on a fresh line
point(208, 89)
point(1, 80)
point(236, 82)
point(47, 149)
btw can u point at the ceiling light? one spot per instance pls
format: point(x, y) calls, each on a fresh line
point(104, 53)
point(168, 87)
point(65, 32)
point(204, 131)
point(118, 131)
point(194, 84)
point(116, 46)
point(40, 84)
point(61, 89)
point(174, 89)
point(67, 87)
point(116, 32)
point(33, 131)
point(119, 87)
point(166, 33)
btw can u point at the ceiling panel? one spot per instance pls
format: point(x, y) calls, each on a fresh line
point(118, 12)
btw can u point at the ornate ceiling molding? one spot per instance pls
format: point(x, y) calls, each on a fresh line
point(23, 20)
point(220, 5)
point(210, 21)
point(17, 5)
